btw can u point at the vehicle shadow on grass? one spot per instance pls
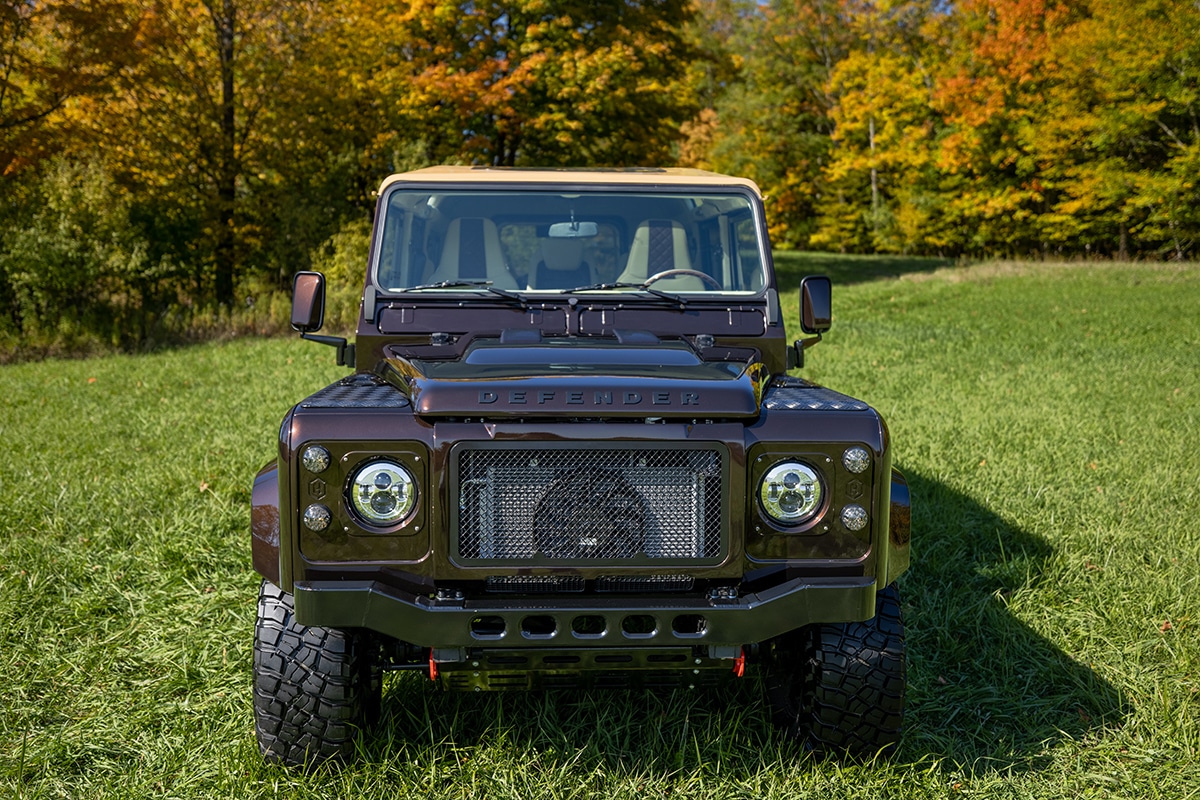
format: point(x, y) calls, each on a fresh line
point(986, 692)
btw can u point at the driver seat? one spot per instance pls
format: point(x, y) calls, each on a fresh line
point(660, 245)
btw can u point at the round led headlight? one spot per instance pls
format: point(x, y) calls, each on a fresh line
point(383, 492)
point(856, 459)
point(854, 517)
point(315, 458)
point(791, 493)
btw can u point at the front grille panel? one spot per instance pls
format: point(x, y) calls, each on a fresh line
point(589, 504)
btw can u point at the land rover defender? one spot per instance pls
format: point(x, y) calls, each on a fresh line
point(570, 454)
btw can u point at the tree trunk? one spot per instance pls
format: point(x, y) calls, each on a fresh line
point(874, 176)
point(224, 23)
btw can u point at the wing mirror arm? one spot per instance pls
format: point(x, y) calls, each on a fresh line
point(345, 350)
point(308, 314)
point(796, 351)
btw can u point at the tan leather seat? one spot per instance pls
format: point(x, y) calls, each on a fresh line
point(660, 245)
point(559, 264)
point(472, 252)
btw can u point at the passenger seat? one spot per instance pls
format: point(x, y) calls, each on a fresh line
point(472, 252)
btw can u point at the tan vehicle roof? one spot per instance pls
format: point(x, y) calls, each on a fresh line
point(640, 176)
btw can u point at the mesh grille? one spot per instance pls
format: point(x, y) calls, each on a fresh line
point(573, 505)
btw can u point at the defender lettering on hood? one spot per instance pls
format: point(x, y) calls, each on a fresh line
point(572, 398)
point(579, 376)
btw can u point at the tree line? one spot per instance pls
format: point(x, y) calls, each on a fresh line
point(169, 164)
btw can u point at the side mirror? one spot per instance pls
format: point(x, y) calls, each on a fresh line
point(816, 315)
point(308, 302)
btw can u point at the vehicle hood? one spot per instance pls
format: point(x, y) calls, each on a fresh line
point(575, 379)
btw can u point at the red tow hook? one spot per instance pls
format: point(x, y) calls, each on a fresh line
point(433, 670)
point(739, 663)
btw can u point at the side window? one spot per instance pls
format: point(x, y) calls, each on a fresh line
point(417, 262)
point(391, 250)
point(711, 259)
point(749, 265)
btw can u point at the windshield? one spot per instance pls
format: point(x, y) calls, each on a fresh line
point(550, 241)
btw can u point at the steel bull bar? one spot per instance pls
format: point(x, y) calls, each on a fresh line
point(537, 622)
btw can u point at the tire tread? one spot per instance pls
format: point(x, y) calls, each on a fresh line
point(839, 687)
point(313, 686)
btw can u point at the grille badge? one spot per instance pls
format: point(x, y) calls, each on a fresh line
point(590, 513)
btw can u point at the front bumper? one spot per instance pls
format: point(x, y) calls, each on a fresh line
point(583, 621)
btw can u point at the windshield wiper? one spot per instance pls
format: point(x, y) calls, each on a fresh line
point(507, 294)
point(599, 287)
point(450, 284)
point(473, 283)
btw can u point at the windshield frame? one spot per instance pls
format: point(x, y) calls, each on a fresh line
point(682, 189)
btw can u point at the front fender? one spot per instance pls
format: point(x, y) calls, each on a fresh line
point(264, 523)
point(899, 530)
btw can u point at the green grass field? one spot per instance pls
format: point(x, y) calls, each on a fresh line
point(1047, 418)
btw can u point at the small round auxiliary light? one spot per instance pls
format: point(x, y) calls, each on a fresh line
point(317, 517)
point(790, 493)
point(383, 493)
point(854, 517)
point(856, 459)
point(315, 458)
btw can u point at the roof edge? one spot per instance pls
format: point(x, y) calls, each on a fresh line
point(630, 176)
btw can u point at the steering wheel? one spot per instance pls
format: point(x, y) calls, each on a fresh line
point(671, 273)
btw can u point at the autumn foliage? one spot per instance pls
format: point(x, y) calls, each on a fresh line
point(168, 163)
point(1043, 128)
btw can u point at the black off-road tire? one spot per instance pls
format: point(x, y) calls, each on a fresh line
point(839, 687)
point(314, 688)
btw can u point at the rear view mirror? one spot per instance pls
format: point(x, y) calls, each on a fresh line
point(573, 230)
point(816, 315)
point(308, 302)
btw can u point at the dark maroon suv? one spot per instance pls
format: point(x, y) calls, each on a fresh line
point(570, 455)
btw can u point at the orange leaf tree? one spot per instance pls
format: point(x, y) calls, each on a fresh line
point(535, 82)
point(993, 92)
